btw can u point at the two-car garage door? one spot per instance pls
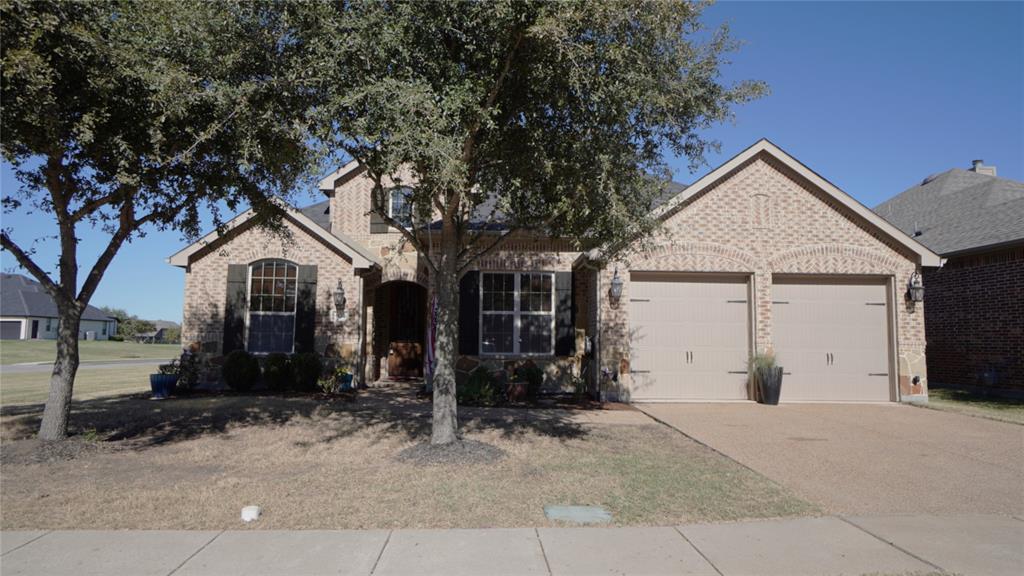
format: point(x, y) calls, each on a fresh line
point(690, 338)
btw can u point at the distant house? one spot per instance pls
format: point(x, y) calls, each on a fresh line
point(28, 313)
point(974, 303)
point(160, 335)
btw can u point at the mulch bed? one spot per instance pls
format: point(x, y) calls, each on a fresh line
point(462, 452)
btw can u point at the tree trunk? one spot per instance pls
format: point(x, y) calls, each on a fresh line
point(445, 427)
point(58, 405)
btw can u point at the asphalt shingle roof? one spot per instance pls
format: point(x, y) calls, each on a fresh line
point(959, 210)
point(22, 296)
point(319, 213)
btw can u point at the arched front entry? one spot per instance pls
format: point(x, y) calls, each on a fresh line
point(400, 314)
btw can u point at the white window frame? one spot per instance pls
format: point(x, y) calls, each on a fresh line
point(517, 315)
point(391, 204)
point(248, 304)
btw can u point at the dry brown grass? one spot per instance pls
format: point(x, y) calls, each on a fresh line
point(311, 463)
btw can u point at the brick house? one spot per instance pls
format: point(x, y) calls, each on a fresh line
point(974, 304)
point(759, 254)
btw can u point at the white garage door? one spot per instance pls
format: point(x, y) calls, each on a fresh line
point(689, 337)
point(832, 340)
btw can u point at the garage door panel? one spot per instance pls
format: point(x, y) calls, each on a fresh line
point(686, 336)
point(832, 340)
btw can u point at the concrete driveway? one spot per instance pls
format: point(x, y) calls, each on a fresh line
point(867, 458)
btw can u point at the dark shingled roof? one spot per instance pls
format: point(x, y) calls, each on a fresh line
point(319, 213)
point(959, 210)
point(22, 296)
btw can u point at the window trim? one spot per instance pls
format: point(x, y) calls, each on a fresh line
point(516, 315)
point(391, 205)
point(248, 304)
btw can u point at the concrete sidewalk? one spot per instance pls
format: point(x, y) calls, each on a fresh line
point(974, 545)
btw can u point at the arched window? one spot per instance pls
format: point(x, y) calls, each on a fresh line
point(272, 291)
point(400, 206)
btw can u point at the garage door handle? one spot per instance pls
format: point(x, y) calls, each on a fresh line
point(779, 302)
point(735, 301)
point(639, 299)
point(737, 371)
point(878, 373)
point(639, 371)
point(787, 373)
point(874, 303)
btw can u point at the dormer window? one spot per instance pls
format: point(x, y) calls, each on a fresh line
point(400, 206)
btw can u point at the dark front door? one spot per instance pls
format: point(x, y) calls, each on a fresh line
point(406, 329)
point(35, 329)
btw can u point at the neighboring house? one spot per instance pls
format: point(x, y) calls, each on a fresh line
point(760, 254)
point(159, 335)
point(28, 313)
point(974, 303)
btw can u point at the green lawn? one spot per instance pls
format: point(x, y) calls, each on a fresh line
point(974, 404)
point(33, 387)
point(20, 351)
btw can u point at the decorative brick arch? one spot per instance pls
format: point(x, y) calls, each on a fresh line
point(395, 273)
point(696, 256)
point(836, 258)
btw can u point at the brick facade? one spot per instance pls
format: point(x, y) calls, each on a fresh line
point(975, 320)
point(759, 220)
point(206, 284)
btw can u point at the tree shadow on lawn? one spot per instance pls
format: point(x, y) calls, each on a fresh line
point(139, 422)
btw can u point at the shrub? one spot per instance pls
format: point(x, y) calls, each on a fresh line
point(115, 338)
point(169, 368)
point(188, 371)
point(306, 368)
point(241, 370)
point(277, 371)
point(481, 389)
point(533, 376)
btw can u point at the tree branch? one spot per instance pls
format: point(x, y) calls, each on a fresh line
point(28, 264)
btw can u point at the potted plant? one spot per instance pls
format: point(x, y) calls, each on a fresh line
point(343, 377)
point(767, 377)
point(162, 383)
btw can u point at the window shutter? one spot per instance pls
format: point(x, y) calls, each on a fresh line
point(565, 333)
point(305, 310)
point(235, 308)
point(469, 314)
point(377, 224)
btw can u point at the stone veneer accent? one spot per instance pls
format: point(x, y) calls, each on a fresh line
point(763, 219)
point(206, 284)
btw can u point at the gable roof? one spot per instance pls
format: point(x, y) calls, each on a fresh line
point(958, 211)
point(926, 256)
point(360, 255)
point(320, 213)
point(23, 296)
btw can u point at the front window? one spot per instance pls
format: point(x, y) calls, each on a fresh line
point(104, 327)
point(272, 290)
point(517, 313)
point(400, 206)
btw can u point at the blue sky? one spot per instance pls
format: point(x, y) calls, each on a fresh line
point(872, 96)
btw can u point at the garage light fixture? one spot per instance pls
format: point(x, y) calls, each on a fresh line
point(615, 290)
point(915, 288)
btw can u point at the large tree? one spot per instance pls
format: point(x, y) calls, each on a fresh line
point(554, 115)
point(122, 116)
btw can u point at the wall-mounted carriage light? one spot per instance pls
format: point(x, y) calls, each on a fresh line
point(915, 288)
point(339, 302)
point(615, 289)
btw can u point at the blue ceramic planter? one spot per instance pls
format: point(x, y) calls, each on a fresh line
point(162, 385)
